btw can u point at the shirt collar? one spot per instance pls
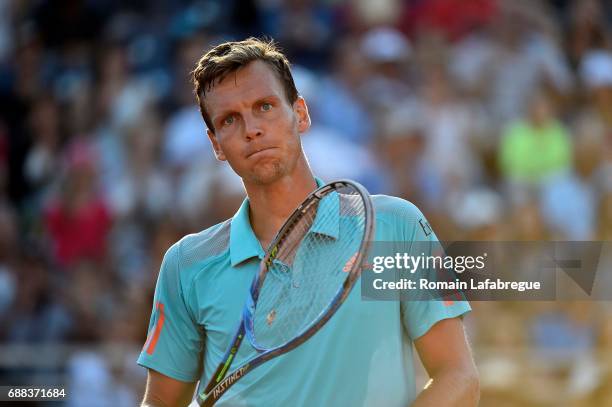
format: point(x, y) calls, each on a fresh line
point(244, 244)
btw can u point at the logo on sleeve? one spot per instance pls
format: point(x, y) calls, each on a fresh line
point(425, 226)
point(154, 333)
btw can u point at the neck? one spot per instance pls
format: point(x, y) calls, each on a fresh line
point(270, 205)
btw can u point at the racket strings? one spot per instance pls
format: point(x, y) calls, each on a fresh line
point(287, 247)
point(309, 270)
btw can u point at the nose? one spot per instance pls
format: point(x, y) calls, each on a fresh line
point(252, 127)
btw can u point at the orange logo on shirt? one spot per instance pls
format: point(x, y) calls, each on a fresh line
point(153, 336)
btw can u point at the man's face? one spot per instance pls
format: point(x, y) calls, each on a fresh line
point(257, 131)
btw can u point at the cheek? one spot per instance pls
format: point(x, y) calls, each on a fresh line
point(228, 147)
point(291, 125)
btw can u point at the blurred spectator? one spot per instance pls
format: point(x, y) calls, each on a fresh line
point(331, 145)
point(454, 18)
point(41, 163)
point(574, 195)
point(375, 13)
point(138, 194)
point(78, 219)
point(187, 151)
point(596, 65)
point(569, 197)
point(401, 144)
point(478, 212)
point(37, 316)
point(526, 220)
point(123, 97)
point(596, 73)
point(387, 51)
point(142, 189)
point(74, 22)
point(605, 216)
point(536, 148)
point(517, 56)
point(590, 142)
point(336, 96)
point(91, 301)
point(8, 289)
point(333, 157)
point(564, 339)
point(4, 160)
point(185, 146)
point(305, 27)
point(587, 19)
point(6, 38)
point(93, 383)
point(8, 260)
point(20, 82)
point(451, 129)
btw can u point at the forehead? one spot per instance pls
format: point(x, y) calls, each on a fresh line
point(247, 84)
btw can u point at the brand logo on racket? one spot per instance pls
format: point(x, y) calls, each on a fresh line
point(230, 380)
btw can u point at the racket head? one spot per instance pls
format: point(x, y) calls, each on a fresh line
point(310, 268)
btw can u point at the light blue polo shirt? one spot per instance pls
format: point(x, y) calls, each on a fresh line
point(361, 357)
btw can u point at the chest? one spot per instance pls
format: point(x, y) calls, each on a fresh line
point(222, 299)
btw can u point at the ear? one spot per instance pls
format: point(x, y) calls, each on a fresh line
point(301, 110)
point(215, 145)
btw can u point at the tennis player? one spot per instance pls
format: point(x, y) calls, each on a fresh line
point(363, 356)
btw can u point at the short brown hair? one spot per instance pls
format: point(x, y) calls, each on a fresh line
point(228, 57)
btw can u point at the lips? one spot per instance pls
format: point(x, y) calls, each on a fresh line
point(258, 150)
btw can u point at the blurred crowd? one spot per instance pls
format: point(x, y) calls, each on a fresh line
point(493, 116)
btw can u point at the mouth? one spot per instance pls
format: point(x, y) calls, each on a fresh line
point(259, 151)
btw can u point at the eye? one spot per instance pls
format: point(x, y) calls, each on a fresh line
point(266, 107)
point(229, 120)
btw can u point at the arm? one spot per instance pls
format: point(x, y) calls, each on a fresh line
point(173, 350)
point(163, 391)
point(447, 358)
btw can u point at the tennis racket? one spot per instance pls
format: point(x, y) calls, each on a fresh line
point(307, 273)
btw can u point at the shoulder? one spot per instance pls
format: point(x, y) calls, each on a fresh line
point(399, 219)
point(208, 243)
point(195, 250)
point(392, 207)
point(185, 260)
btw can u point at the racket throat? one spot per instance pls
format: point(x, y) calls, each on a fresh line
point(220, 388)
point(223, 367)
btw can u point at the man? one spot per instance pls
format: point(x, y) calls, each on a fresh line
point(362, 357)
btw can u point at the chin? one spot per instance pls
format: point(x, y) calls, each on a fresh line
point(268, 172)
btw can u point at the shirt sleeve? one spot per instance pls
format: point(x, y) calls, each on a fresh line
point(174, 341)
point(418, 316)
